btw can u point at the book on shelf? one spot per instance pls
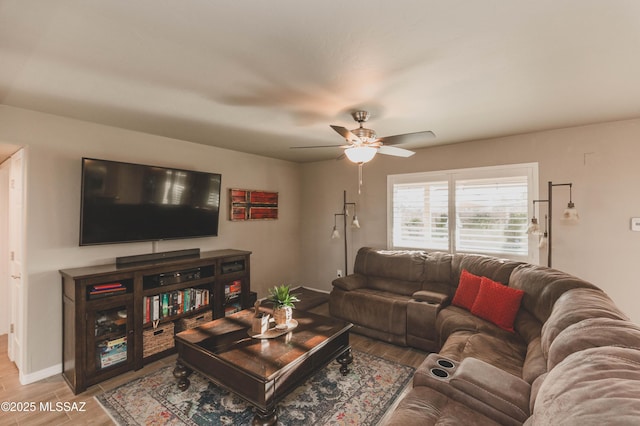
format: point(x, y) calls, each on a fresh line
point(111, 352)
point(234, 287)
point(155, 309)
point(159, 306)
point(106, 286)
point(97, 294)
point(231, 309)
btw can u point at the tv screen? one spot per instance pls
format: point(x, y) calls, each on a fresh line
point(124, 202)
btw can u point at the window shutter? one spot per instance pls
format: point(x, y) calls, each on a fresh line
point(492, 215)
point(421, 215)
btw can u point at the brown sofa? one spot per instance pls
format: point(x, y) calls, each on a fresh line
point(574, 357)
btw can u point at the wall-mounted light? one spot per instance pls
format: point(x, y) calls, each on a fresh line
point(570, 214)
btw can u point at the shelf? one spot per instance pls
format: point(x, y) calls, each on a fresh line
point(88, 359)
point(179, 286)
point(177, 317)
point(109, 290)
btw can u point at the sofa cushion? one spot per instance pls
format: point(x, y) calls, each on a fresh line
point(535, 363)
point(467, 291)
point(597, 386)
point(497, 303)
point(423, 406)
point(397, 265)
point(504, 350)
point(485, 266)
point(590, 333)
point(382, 311)
point(350, 282)
point(574, 306)
point(527, 325)
point(542, 287)
point(437, 273)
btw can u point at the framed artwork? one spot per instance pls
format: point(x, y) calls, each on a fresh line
point(248, 204)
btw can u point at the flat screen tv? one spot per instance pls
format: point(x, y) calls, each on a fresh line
point(124, 202)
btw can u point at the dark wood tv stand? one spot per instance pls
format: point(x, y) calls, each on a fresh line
point(108, 324)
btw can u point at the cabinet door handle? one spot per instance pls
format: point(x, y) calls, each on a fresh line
point(16, 277)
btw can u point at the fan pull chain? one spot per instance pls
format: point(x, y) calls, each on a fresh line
point(360, 178)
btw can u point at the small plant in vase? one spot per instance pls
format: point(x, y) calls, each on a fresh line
point(283, 304)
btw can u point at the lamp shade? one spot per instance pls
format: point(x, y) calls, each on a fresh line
point(335, 234)
point(570, 214)
point(534, 228)
point(544, 242)
point(360, 154)
point(355, 223)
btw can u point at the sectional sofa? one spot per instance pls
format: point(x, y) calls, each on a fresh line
point(510, 343)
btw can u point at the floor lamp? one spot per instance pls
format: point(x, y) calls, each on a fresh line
point(570, 214)
point(354, 224)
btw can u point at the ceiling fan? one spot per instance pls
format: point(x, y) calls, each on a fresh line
point(364, 144)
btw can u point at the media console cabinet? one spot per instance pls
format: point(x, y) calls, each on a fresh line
point(119, 318)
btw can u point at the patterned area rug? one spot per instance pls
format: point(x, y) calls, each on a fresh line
point(327, 398)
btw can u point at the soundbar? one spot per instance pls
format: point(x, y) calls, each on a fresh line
point(154, 257)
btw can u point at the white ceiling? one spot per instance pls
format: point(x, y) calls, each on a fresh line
point(260, 76)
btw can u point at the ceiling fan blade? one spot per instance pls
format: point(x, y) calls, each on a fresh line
point(395, 151)
point(407, 138)
point(319, 146)
point(345, 133)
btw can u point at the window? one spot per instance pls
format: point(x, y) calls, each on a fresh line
point(481, 210)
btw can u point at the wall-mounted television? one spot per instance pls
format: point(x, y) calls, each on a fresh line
point(125, 202)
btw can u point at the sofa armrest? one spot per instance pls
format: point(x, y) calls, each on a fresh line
point(350, 282)
point(430, 297)
point(494, 387)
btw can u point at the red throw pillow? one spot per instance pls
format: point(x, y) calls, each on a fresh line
point(467, 290)
point(497, 303)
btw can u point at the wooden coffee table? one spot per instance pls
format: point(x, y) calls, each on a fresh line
point(261, 371)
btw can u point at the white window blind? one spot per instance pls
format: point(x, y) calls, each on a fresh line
point(480, 210)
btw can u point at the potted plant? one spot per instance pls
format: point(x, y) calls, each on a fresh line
point(283, 304)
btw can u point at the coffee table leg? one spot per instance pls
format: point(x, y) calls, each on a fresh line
point(182, 374)
point(265, 417)
point(344, 360)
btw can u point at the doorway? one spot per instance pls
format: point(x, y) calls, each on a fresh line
point(12, 233)
point(5, 318)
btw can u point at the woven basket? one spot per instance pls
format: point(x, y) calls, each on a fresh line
point(155, 340)
point(193, 321)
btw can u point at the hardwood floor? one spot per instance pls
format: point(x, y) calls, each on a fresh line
point(55, 389)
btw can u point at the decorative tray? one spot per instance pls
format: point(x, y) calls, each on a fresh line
point(274, 332)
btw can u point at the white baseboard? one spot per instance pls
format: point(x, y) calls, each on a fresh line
point(26, 379)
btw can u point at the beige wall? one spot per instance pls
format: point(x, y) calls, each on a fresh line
point(297, 249)
point(55, 146)
point(601, 160)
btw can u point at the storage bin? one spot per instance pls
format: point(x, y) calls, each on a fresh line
point(155, 340)
point(193, 321)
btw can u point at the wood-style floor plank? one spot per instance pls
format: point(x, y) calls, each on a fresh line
point(54, 389)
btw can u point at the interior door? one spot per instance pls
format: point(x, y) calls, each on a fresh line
point(16, 251)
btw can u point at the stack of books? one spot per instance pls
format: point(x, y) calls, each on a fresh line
point(233, 290)
point(232, 309)
point(112, 352)
point(97, 291)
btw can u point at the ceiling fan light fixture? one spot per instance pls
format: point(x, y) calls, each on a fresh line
point(360, 154)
